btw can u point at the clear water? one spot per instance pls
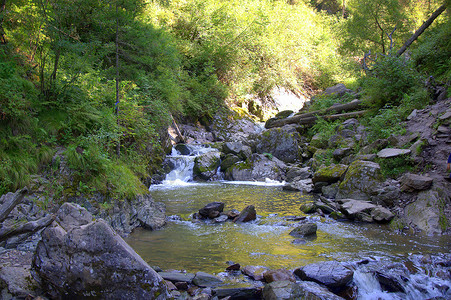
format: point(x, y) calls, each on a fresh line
point(182, 244)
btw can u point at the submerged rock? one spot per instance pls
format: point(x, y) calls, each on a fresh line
point(255, 272)
point(82, 257)
point(278, 275)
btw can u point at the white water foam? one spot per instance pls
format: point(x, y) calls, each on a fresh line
point(267, 182)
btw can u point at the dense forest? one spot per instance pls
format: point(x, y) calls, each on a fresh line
point(100, 81)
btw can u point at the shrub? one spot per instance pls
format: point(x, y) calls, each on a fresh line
point(390, 79)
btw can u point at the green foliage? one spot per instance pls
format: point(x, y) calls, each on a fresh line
point(370, 23)
point(395, 167)
point(387, 121)
point(324, 101)
point(324, 129)
point(433, 54)
point(390, 80)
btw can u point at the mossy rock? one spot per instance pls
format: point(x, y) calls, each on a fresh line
point(330, 174)
point(362, 179)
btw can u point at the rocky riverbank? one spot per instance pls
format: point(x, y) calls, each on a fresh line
point(352, 181)
point(52, 251)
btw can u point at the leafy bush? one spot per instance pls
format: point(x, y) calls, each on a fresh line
point(433, 54)
point(390, 79)
point(394, 167)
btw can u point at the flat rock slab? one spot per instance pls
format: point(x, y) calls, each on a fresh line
point(332, 274)
point(392, 152)
point(177, 277)
point(352, 207)
point(203, 279)
point(286, 290)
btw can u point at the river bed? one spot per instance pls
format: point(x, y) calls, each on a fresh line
point(183, 244)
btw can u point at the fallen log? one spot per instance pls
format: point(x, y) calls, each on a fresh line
point(354, 114)
point(11, 202)
point(32, 226)
point(296, 119)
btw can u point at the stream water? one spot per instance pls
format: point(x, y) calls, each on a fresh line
point(183, 244)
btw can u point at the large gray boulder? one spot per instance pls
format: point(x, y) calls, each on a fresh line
point(332, 274)
point(283, 143)
point(258, 167)
point(287, 290)
point(238, 149)
point(124, 216)
point(203, 279)
point(414, 182)
point(206, 165)
point(427, 211)
point(362, 179)
point(212, 210)
point(81, 257)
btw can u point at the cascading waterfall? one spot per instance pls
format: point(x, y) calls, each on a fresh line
point(182, 172)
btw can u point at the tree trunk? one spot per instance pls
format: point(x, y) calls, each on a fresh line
point(312, 120)
point(11, 202)
point(32, 226)
point(423, 27)
point(296, 119)
point(177, 130)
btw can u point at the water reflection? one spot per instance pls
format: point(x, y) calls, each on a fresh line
point(206, 247)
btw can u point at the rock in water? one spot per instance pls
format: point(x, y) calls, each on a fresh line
point(304, 230)
point(208, 210)
point(332, 274)
point(79, 258)
point(206, 165)
point(203, 279)
point(248, 214)
point(287, 290)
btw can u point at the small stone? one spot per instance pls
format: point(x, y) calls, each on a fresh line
point(234, 267)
